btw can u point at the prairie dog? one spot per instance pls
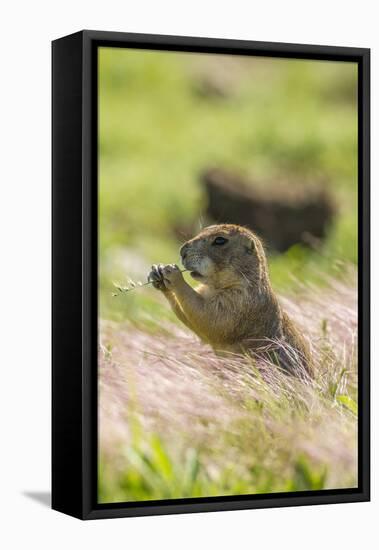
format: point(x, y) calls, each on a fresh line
point(234, 308)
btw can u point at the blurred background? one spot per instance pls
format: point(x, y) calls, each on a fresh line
point(190, 139)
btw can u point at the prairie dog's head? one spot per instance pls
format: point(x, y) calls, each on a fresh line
point(225, 255)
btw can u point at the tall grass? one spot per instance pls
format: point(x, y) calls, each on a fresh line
point(178, 421)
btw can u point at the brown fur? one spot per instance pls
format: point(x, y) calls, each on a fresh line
point(234, 308)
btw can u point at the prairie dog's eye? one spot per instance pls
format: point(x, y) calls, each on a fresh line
point(220, 241)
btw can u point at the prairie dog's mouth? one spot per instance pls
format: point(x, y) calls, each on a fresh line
point(196, 275)
point(193, 272)
point(197, 266)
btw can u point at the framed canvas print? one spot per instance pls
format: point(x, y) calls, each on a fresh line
point(210, 275)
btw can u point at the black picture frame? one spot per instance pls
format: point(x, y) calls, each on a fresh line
point(74, 272)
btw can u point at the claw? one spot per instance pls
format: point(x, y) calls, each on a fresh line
point(156, 277)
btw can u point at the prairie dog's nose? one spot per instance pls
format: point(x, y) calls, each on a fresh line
point(183, 251)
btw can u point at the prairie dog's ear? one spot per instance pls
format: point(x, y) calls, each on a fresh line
point(250, 245)
point(257, 248)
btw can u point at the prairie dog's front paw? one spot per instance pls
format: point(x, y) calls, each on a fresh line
point(172, 276)
point(156, 277)
point(165, 277)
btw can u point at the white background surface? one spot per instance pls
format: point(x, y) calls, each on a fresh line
point(26, 31)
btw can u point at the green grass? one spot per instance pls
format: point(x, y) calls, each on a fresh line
point(150, 473)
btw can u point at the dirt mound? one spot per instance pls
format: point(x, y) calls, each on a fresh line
point(281, 215)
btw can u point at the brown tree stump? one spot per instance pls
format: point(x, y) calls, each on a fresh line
point(282, 216)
